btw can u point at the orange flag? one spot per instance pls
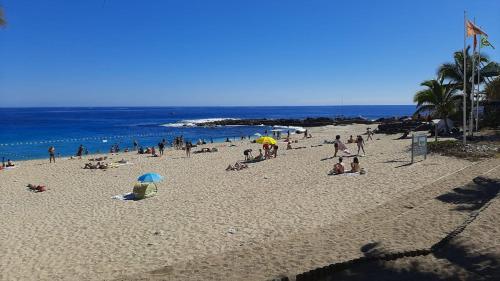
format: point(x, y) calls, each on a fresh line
point(472, 30)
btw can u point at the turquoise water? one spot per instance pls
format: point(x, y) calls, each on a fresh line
point(26, 133)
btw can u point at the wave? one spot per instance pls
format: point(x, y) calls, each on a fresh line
point(291, 128)
point(194, 122)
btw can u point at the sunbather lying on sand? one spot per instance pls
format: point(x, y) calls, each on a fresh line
point(37, 188)
point(237, 166)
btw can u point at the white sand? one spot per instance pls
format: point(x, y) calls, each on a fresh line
point(75, 231)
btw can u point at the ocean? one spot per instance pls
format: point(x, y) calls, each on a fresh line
point(26, 133)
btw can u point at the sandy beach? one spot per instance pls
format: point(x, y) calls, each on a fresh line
point(76, 231)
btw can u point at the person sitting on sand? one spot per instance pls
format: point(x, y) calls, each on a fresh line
point(141, 150)
point(289, 145)
point(338, 168)
point(248, 154)
point(9, 163)
point(351, 140)
point(153, 152)
point(355, 165)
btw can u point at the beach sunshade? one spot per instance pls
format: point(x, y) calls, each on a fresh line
point(267, 140)
point(144, 190)
point(150, 177)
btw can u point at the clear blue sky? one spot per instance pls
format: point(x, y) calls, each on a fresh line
point(229, 52)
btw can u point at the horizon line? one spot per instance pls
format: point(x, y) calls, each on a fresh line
point(160, 106)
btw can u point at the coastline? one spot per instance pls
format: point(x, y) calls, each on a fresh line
point(80, 231)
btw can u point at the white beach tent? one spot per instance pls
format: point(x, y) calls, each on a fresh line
point(441, 126)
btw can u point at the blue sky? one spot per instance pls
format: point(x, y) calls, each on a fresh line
point(227, 52)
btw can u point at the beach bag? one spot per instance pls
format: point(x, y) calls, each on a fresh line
point(144, 190)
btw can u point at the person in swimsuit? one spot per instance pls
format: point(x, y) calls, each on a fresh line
point(355, 165)
point(361, 144)
point(338, 168)
point(248, 154)
point(52, 154)
point(369, 133)
point(188, 149)
point(275, 150)
point(79, 153)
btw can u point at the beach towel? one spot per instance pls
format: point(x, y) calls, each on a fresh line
point(126, 196)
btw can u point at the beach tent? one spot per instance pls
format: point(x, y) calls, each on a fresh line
point(441, 125)
point(144, 190)
point(147, 185)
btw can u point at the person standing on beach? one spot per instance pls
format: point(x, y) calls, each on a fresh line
point(305, 134)
point(361, 144)
point(79, 152)
point(161, 147)
point(135, 145)
point(188, 148)
point(52, 154)
point(369, 133)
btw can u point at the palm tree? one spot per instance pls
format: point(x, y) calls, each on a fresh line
point(454, 72)
point(493, 90)
point(3, 22)
point(438, 100)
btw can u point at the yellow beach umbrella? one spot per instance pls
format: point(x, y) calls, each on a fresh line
point(265, 139)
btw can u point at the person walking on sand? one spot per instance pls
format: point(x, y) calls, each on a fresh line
point(52, 154)
point(361, 144)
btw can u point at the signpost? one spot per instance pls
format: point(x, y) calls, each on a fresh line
point(418, 146)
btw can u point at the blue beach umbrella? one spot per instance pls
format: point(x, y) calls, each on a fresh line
point(150, 177)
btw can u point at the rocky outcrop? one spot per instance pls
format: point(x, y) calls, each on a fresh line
point(307, 122)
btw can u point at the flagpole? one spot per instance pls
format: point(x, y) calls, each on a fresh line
point(472, 89)
point(465, 84)
point(478, 83)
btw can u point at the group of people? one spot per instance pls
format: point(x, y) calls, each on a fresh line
point(98, 165)
point(8, 164)
point(339, 167)
point(340, 146)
